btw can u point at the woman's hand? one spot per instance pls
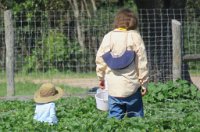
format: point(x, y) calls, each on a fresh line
point(101, 84)
point(144, 91)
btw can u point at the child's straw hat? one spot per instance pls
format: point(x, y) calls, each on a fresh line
point(48, 93)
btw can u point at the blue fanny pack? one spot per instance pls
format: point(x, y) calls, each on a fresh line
point(119, 62)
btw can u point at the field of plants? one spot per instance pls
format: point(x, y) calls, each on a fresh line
point(168, 107)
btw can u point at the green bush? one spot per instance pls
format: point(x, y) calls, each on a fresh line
point(52, 52)
point(180, 89)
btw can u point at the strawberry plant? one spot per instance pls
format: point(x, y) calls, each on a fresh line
point(165, 112)
point(180, 89)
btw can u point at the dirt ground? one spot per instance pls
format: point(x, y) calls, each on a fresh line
point(76, 82)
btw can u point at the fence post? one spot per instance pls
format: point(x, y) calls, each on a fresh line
point(9, 40)
point(176, 43)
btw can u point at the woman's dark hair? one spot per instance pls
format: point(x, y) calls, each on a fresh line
point(125, 18)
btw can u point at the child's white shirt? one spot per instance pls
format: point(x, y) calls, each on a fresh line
point(46, 113)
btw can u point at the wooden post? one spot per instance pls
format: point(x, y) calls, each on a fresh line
point(176, 42)
point(9, 40)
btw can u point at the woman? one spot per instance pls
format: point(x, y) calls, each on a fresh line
point(126, 79)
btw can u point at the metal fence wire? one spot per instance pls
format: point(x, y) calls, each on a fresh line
point(61, 41)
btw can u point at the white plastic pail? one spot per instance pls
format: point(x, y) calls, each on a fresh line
point(99, 90)
point(102, 100)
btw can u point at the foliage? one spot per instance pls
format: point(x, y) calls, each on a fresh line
point(53, 50)
point(26, 27)
point(180, 113)
point(180, 89)
point(193, 4)
point(76, 114)
point(19, 5)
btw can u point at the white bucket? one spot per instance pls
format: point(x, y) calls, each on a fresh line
point(102, 101)
point(99, 90)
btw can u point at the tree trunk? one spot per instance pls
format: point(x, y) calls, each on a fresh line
point(86, 7)
point(94, 6)
point(78, 24)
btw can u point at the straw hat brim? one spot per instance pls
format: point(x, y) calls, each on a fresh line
point(39, 99)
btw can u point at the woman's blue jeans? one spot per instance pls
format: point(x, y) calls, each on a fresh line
point(132, 106)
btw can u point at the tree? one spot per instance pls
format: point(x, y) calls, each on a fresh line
point(193, 4)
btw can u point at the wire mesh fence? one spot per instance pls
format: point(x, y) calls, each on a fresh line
point(48, 42)
point(157, 33)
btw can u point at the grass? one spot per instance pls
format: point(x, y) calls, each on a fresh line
point(57, 75)
point(48, 75)
point(24, 83)
point(194, 72)
point(29, 88)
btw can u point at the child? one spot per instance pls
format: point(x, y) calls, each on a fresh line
point(124, 79)
point(45, 107)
